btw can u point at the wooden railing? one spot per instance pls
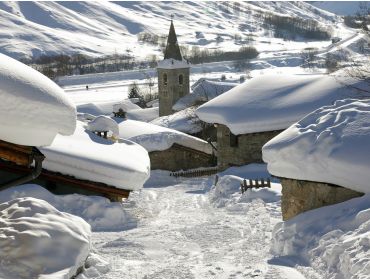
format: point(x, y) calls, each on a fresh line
point(258, 183)
point(195, 172)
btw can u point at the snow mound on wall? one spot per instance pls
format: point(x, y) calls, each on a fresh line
point(33, 109)
point(227, 192)
point(156, 138)
point(145, 115)
point(329, 145)
point(203, 91)
point(334, 240)
point(274, 102)
point(96, 109)
point(103, 123)
point(38, 241)
point(125, 105)
point(99, 212)
point(85, 155)
point(185, 121)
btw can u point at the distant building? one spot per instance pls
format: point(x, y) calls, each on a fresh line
point(173, 75)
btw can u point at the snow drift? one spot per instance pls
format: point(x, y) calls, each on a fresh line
point(274, 102)
point(329, 145)
point(103, 123)
point(333, 240)
point(99, 212)
point(33, 109)
point(38, 241)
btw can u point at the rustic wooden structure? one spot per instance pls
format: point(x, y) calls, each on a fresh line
point(258, 183)
point(103, 134)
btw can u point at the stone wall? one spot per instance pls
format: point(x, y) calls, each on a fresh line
point(248, 149)
point(180, 158)
point(172, 91)
point(300, 196)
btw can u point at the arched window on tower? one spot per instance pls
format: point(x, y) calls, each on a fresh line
point(165, 81)
point(181, 79)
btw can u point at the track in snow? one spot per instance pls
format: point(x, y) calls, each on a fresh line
point(181, 235)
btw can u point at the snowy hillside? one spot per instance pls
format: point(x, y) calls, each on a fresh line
point(30, 29)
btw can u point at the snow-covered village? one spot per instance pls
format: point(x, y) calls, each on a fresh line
point(173, 139)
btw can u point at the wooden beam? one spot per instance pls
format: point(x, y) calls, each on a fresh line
point(18, 154)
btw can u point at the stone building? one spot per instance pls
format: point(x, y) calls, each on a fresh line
point(173, 75)
point(168, 149)
point(252, 113)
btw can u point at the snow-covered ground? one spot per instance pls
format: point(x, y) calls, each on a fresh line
point(182, 233)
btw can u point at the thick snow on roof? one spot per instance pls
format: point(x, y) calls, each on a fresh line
point(33, 109)
point(171, 63)
point(329, 145)
point(204, 91)
point(38, 241)
point(185, 121)
point(97, 108)
point(273, 102)
point(145, 115)
point(103, 123)
point(156, 138)
point(125, 105)
point(85, 155)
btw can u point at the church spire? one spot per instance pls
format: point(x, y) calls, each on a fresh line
point(172, 48)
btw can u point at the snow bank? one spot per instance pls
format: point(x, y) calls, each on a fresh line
point(227, 192)
point(103, 123)
point(274, 102)
point(97, 108)
point(156, 138)
point(204, 91)
point(125, 105)
point(334, 240)
point(85, 155)
point(173, 64)
point(145, 115)
point(185, 121)
point(38, 241)
point(33, 109)
point(329, 145)
point(99, 212)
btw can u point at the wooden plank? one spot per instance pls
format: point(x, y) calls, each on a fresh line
point(101, 188)
point(15, 147)
point(15, 156)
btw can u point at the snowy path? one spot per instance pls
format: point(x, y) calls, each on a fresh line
point(181, 235)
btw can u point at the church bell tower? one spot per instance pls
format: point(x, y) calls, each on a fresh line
point(173, 75)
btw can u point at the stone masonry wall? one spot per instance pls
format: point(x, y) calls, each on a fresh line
point(300, 196)
point(248, 150)
point(179, 158)
point(173, 91)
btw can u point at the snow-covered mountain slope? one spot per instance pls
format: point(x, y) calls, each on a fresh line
point(97, 28)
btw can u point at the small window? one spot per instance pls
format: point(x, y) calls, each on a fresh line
point(165, 81)
point(181, 79)
point(234, 140)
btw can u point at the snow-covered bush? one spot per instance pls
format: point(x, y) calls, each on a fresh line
point(99, 212)
point(38, 241)
point(103, 123)
point(227, 192)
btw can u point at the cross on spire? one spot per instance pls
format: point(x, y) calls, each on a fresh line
point(172, 48)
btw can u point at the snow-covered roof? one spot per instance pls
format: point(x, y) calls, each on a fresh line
point(103, 123)
point(33, 109)
point(145, 115)
point(85, 155)
point(204, 91)
point(329, 145)
point(125, 105)
point(185, 121)
point(274, 102)
point(156, 138)
point(171, 63)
